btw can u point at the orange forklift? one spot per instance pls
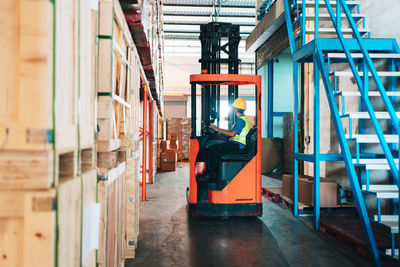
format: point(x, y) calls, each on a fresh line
point(237, 188)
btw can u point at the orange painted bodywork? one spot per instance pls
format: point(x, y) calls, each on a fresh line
point(246, 186)
point(193, 149)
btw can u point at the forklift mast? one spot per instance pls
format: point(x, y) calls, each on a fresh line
point(219, 48)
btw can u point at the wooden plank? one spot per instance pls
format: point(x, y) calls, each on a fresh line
point(26, 169)
point(132, 208)
point(107, 160)
point(87, 69)
point(69, 219)
point(89, 181)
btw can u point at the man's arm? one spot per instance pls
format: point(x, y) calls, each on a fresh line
point(229, 133)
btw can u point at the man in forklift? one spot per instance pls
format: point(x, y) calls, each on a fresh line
point(208, 158)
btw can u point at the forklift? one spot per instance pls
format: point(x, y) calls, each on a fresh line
point(237, 188)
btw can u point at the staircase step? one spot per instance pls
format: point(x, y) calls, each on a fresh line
point(390, 221)
point(375, 164)
point(333, 30)
point(360, 55)
point(380, 73)
point(380, 187)
point(365, 115)
point(393, 218)
point(373, 138)
point(370, 93)
point(322, 3)
point(327, 17)
point(388, 252)
point(392, 225)
point(384, 194)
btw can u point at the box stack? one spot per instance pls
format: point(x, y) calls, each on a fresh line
point(180, 129)
point(168, 156)
point(184, 135)
point(168, 161)
point(47, 125)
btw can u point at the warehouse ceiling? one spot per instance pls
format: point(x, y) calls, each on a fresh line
point(182, 19)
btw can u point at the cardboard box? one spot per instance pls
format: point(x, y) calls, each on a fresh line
point(173, 136)
point(328, 191)
point(287, 186)
point(171, 150)
point(168, 166)
point(164, 145)
point(168, 157)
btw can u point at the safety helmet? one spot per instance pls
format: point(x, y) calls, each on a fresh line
point(239, 103)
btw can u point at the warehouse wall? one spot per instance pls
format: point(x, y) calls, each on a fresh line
point(382, 16)
point(282, 90)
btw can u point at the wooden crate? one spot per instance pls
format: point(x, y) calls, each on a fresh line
point(132, 201)
point(44, 85)
point(116, 75)
point(28, 225)
point(27, 228)
point(111, 194)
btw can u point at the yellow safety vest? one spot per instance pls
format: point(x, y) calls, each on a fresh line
point(241, 138)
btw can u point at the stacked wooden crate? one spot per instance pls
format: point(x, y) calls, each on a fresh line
point(47, 126)
point(182, 128)
point(119, 82)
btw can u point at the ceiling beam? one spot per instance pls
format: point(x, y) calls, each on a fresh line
point(200, 5)
point(166, 14)
point(194, 32)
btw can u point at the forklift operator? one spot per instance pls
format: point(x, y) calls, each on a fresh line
point(236, 144)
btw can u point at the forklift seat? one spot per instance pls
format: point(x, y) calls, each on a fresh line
point(249, 152)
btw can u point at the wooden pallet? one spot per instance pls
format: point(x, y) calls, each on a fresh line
point(347, 231)
point(308, 210)
point(272, 193)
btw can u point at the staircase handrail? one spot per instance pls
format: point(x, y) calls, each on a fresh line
point(385, 147)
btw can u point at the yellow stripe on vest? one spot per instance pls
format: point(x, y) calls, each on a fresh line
point(241, 138)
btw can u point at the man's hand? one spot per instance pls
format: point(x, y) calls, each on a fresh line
point(214, 127)
point(228, 133)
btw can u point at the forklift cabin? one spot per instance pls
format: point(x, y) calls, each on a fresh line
point(237, 189)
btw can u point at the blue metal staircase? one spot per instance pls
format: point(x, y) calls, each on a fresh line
point(332, 35)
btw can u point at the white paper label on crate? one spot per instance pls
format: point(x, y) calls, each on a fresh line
point(90, 229)
point(93, 4)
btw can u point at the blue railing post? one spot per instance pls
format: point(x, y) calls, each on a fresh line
point(303, 24)
point(316, 19)
point(338, 15)
point(270, 98)
point(398, 201)
point(295, 107)
point(316, 145)
point(295, 139)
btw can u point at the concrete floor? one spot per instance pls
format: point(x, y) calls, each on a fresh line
point(169, 238)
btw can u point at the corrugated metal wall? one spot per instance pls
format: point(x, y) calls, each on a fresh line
point(274, 45)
